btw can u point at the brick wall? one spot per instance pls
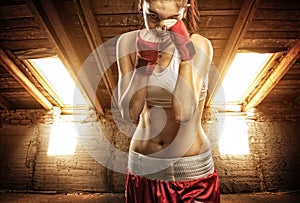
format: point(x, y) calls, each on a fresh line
point(271, 165)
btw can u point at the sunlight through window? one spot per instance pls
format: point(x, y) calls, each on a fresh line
point(53, 70)
point(234, 138)
point(242, 72)
point(63, 139)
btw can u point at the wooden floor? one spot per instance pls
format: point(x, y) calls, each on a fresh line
point(288, 197)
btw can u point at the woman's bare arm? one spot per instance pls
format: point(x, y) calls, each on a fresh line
point(132, 80)
point(191, 79)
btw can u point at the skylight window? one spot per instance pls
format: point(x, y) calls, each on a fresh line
point(240, 75)
point(55, 74)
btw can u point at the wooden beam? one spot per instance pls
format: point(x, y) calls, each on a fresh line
point(239, 30)
point(281, 69)
point(92, 33)
point(51, 15)
point(13, 69)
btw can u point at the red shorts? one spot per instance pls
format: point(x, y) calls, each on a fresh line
point(143, 190)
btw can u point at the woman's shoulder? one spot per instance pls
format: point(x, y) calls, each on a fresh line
point(200, 40)
point(202, 43)
point(126, 44)
point(128, 36)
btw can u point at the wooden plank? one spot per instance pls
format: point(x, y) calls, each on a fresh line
point(25, 44)
point(35, 53)
point(273, 35)
point(4, 74)
point(9, 83)
point(9, 2)
point(267, 43)
point(4, 104)
point(18, 23)
point(218, 43)
point(21, 98)
point(275, 14)
point(3, 90)
point(215, 12)
point(295, 69)
point(242, 23)
point(110, 32)
point(289, 83)
point(279, 4)
point(280, 92)
point(217, 21)
point(11, 67)
point(275, 25)
point(220, 5)
point(276, 100)
point(15, 11)
point(218, 52)
point(289, 76)
point(116, 6)
point(297, 99)
point(282, 68)
point(131, 19)
point(24, 34)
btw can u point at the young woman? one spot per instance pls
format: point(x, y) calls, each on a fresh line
point(162, 88)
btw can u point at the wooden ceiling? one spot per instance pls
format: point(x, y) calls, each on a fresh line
point(72, 29)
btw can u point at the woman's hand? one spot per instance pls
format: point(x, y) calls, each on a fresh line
point(147, 46)
point(181, 39)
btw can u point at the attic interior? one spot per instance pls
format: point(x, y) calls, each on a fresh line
point(51, 145)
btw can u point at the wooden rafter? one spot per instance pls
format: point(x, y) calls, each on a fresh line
point(279, 71)
point(242, 23)
point(13, 69)
point(51, 15)
point(92, 33)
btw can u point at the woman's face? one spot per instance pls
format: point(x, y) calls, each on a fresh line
point(161, 14)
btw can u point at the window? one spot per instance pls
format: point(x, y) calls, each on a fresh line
point(58, 82)
point(239, 77)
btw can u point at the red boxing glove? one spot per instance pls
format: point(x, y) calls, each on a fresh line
point(147, 51)
point(181, 39)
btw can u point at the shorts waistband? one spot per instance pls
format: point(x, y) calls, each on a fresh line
point(174, 169)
